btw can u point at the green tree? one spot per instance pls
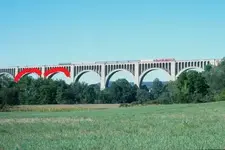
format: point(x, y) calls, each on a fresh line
point(60, 95)
point(144, 87)
point(8, 92)
point(78, 91)
point(142, 95)
point(122, 91)
point(157, 88)
point(27, 91)
point(171, 94)
point(106, 96)
point(208, 68)
point(193, 87)
point(90, 95)
point(220, 96)
point(215, 77)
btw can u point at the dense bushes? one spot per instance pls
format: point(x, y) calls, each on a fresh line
point(190, 87)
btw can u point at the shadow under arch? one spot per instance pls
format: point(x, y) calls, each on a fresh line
point(80, 74)
point(189, 68)
point(108, 77)
point(141, 77)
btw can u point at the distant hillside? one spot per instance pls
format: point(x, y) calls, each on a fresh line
point(149, 84)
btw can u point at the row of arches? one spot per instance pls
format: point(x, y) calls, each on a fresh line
point(95, 78)
point(146, 77)
point(180, 66)
point(27, 71)
point(200, 64)
point(144, 67)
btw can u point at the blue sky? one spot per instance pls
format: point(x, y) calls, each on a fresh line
point(53, 31)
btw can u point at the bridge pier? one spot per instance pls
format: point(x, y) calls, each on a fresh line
point(16, 71)
point(173, 71)
point(102, 77)
point(136, 75)
point(72, 75)
point(43, 71)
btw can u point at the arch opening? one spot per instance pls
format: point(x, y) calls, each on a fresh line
point(88, 76)
point(52, 71)
point(117, 74)
point(32, 75)
point(198, 69)
point(27, 71)
point(147, 77)
point(57, 76)
point(6, 74)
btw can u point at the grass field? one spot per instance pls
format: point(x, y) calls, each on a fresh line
point(192, 126)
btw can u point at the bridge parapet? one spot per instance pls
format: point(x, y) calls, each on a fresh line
point(183, 65)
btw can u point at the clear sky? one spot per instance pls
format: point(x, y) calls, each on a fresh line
point(52, 31)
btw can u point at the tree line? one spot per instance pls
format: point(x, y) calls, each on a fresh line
point(190, 87)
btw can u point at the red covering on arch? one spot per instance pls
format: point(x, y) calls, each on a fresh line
point(27, 71)
point(56, 70)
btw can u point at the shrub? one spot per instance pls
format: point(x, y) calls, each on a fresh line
point(220, 96)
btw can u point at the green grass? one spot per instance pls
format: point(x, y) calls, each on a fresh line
point(192, 126)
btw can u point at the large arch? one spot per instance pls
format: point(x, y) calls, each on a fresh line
point(108, 77)
point(59, 76)
point(53, 71)
point(26, 72)
point(188, 68)
point(141, 77)
point(50, 76)
point(80, 74)
point(6, 74)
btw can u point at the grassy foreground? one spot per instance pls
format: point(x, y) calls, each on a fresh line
point(193, 126)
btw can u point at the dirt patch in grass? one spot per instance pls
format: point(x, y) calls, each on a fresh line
point(44, 120)
point(55, 108)
point(71, 106)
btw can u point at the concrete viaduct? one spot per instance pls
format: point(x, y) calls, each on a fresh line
point(106, 69)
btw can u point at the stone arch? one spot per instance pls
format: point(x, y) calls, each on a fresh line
point(6, 74)
point(55, 70)
point(188, 68)
point(141, 77)
point(53, 74)
point(80, 74)
point(27, 71)
point(110, 74)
